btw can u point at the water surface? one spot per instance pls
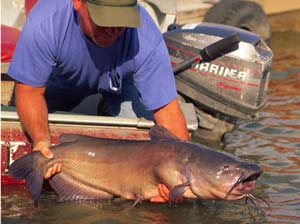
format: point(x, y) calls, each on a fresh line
point(272, 141)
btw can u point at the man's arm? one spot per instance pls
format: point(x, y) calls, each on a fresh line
point(33, 114)
point(32, 110)
point(171, 117)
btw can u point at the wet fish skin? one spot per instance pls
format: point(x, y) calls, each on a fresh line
point(95, 168)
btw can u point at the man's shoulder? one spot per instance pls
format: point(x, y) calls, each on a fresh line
point(148, 31)
point(46, 10)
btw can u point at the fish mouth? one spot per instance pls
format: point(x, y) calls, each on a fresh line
point(244, 185)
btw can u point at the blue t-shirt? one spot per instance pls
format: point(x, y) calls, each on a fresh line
point(52, 44)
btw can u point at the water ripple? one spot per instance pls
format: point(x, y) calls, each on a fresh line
point(273, 141)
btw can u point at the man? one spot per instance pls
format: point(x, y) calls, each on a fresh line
point(70, 49)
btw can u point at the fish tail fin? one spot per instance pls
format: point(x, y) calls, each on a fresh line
point(32, 168)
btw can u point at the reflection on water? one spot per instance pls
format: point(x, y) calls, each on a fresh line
point(18, 208)
point(272, 141)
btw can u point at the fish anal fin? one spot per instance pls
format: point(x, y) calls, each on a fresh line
point(69, 189)
point(176, 193)
point(159, 133)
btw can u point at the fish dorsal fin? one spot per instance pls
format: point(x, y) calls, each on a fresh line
point(159, 133)
point(68, 138)
point(74, 137)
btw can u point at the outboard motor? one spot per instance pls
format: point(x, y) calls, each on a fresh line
point(229, 87)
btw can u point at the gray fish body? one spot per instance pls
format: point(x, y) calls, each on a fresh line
point(122, 168)
point(96, 168)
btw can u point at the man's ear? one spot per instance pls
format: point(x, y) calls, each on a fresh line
point(76, 4)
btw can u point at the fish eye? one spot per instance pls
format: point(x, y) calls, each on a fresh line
point(226, 168)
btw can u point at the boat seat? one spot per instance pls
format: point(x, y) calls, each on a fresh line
point(28, 6)
point(9, 37)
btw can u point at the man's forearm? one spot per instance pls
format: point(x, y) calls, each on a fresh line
point(33, 113)
point(172, 118)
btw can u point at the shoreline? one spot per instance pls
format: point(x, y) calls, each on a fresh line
point(291, 21)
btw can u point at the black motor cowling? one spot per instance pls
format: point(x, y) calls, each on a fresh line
point(234, 84)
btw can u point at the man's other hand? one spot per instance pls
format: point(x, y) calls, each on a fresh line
point(43, 147)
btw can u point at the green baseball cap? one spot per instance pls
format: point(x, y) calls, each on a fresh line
point(114, 13)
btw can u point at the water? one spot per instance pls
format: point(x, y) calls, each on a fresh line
point(272, 141)
point(18, 208)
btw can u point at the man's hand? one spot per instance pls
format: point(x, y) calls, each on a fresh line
point(43, 147)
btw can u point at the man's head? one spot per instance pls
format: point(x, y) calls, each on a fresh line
point(103, 21)
point(114, 13)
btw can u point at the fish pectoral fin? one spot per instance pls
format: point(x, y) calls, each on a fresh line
point(176, 193)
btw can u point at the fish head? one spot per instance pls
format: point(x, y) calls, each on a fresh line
point(217, 175)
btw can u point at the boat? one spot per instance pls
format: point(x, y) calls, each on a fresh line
point(229, 82)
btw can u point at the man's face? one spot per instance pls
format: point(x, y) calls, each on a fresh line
point(102, 36)
point(105, 36)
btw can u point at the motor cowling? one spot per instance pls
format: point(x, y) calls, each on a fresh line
point(234, 84)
